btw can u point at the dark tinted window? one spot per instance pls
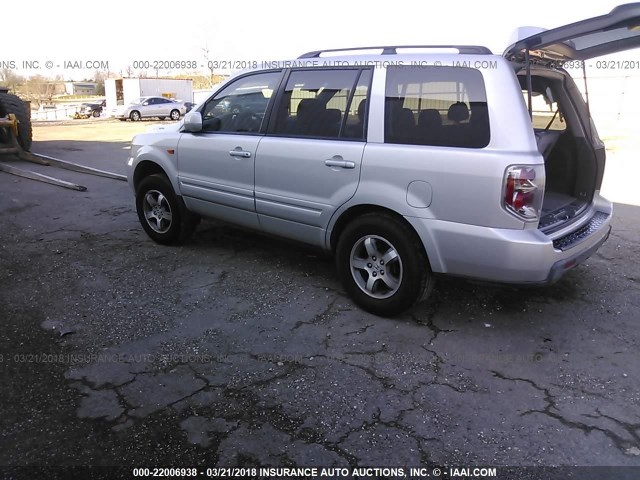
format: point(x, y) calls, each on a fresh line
point(357, 113)
point(241, 106)
point(444, 106)
point(322, 103)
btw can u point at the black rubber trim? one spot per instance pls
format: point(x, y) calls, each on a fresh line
point(575, 238)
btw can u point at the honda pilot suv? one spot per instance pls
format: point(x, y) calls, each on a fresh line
point(405, 162)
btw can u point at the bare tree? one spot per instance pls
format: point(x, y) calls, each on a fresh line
point(99, 78)
point(9, 78)
point(205, 52)
point(39, 89)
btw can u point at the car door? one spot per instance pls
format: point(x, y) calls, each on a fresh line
point(216, 166)
point(164, 107)
point(147, 107)
point(309, 163)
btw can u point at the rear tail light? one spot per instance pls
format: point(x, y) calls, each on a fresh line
point(523, 191)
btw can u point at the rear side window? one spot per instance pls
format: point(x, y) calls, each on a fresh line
point(324, 104)
point(442, 106)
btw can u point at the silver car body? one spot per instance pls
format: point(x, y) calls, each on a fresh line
point(149, 107)
point(306, 189)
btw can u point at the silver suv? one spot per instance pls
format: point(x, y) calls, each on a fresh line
point(404, 162)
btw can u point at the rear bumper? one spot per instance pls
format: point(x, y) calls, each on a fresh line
point(512, 256)
point(562, 266)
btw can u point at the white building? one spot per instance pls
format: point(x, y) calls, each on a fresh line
point(80, 88)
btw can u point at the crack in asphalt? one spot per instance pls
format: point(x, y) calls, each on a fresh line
point(318, 317)
point(620, 443)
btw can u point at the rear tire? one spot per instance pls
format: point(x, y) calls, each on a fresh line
point(161, 213)
point(382, 264)
point(10, 103)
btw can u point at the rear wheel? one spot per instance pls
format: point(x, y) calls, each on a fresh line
point(96, 113)
point(382, 264)
point(162, 215)
point(174, 115)
point(12, 104)
point(162, 118)
point(135, 116)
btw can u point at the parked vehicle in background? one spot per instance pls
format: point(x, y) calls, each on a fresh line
point(403, 163)
point(189, 106)
point(90, 109)
point(147, 107)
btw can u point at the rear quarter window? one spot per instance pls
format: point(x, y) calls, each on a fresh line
point(441, 106)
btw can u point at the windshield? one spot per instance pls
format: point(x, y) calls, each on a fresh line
point(138, 101)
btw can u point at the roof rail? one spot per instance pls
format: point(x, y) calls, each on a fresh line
point(393, 49)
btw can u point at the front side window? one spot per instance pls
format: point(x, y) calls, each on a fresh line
point(442, 106)
point(241, 106)
point(324, 104)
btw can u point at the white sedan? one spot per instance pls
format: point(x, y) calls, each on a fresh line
point(146, 107)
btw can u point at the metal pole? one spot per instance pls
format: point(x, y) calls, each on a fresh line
point(527, 61)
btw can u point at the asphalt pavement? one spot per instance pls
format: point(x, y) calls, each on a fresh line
point(240, 349)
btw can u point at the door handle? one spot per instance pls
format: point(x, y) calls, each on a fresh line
point(338, 162)
point(240, 153)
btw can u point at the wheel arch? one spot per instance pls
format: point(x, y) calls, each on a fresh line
point(356, 211)
point(146, 168)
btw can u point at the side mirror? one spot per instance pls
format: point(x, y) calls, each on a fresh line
point(145, 104)
point(193, 122)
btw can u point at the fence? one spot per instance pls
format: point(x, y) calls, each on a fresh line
point(62, 113)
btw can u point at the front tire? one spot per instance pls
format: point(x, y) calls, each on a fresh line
point(382, 264)
point(174, 115)
point(161, 214)
point(135, 116)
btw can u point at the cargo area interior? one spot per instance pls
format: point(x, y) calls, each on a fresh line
point(559, 123)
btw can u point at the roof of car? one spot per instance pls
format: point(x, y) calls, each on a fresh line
point(412, 55)
point(395, 49)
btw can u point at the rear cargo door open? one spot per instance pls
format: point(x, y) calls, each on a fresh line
point(614, 32)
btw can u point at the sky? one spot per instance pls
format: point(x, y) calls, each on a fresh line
point(70, 33)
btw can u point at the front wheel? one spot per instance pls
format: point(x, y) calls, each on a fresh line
point(135, 116)
point(174, 115)
point(160, 212)
point(382, 264)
